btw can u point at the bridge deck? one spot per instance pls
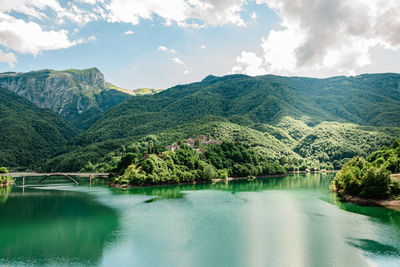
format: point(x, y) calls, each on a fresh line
point(76, 174)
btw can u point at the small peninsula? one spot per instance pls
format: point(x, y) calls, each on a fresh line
point(373, 181)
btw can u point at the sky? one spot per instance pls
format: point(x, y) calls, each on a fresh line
point(162, 43)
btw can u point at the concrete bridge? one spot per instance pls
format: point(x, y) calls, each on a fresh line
point(68, 175)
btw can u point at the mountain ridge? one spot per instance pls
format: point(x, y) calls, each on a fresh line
point(77, 95)
point(290, 106)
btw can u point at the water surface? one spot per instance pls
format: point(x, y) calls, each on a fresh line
point(287, 221)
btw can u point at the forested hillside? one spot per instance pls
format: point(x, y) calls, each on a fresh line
point(29, 134)
point(315, 123)
point(364, 100)
point(77, 95)
point(325, 120)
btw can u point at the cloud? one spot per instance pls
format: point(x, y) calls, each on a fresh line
point(134, 10)
point(9, 58)
point(128, 32)
point(177, 61)
point(32, 8)
point(186, 72)
point(39, 9)
point(211, 12)
point(203, 46)
point(166, 49)
point(327, 36)
point(30, 38)
point(217, 12)
point(249, 63)
point(90, 2)
point(254, 15)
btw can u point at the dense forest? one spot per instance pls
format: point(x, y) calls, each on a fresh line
point(29, 134)
point(303, 123)
point(314, 119)
point(185, 165)
point(370, 177)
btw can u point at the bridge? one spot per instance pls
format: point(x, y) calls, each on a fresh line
point(68, 175)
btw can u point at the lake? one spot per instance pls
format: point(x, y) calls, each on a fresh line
point(287, 221)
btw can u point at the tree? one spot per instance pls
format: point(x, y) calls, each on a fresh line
point(375, 183)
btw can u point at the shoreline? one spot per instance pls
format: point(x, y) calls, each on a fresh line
point(128, 186)
point(384, 203)
point(7, 184)
point(197, 182)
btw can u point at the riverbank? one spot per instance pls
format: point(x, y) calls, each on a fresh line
point(125, 186)
point(7, 184)
point(323, 171)
point(386, 203)
point(6, 180)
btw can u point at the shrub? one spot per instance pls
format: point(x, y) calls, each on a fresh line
point(6, 179)
point(375, 183)
point(3, 170)
point(395, 188)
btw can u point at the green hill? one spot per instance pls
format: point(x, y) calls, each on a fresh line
point(77, 95)
point(287, 108)
point(247, 100)
point(335, 142)
point(29, 134)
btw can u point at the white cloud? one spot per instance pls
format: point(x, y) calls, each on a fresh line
point(30, 38)
point(9, 58)
point(217, 12)
point(177, 61)
point(330, 36)
point(128, 32)
point(254, 15)
point(38, 9)
point(33, 8)
point(90, 2)
point(211, 12)
point(166, 49)
point(203, 46)
point(134, 10)
point(186, 72)
point(249, 63)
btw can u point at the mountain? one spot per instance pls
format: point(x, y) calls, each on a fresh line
point(363, 100)
point(291, 109)
point(29, 134)
point(77, 95)
point(135, 92)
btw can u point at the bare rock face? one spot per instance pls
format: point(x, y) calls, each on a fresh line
point(77, 95)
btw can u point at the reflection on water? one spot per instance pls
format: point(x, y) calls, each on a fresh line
point(286, 221)
point(374, 247)
point(42, 227)
point(295, 181)
point(4, 192)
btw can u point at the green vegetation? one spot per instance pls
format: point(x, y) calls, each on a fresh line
point(80, 96)
point(6, 180)
point(3, 170)
point(263, 143)
point(370, 178)
point(282, 116)
point(185, 165)
point(134, 92)
point(301, 122)
point(29, 135)
point(339, 142)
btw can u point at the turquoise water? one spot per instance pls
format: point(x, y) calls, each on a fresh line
point(288, 221)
